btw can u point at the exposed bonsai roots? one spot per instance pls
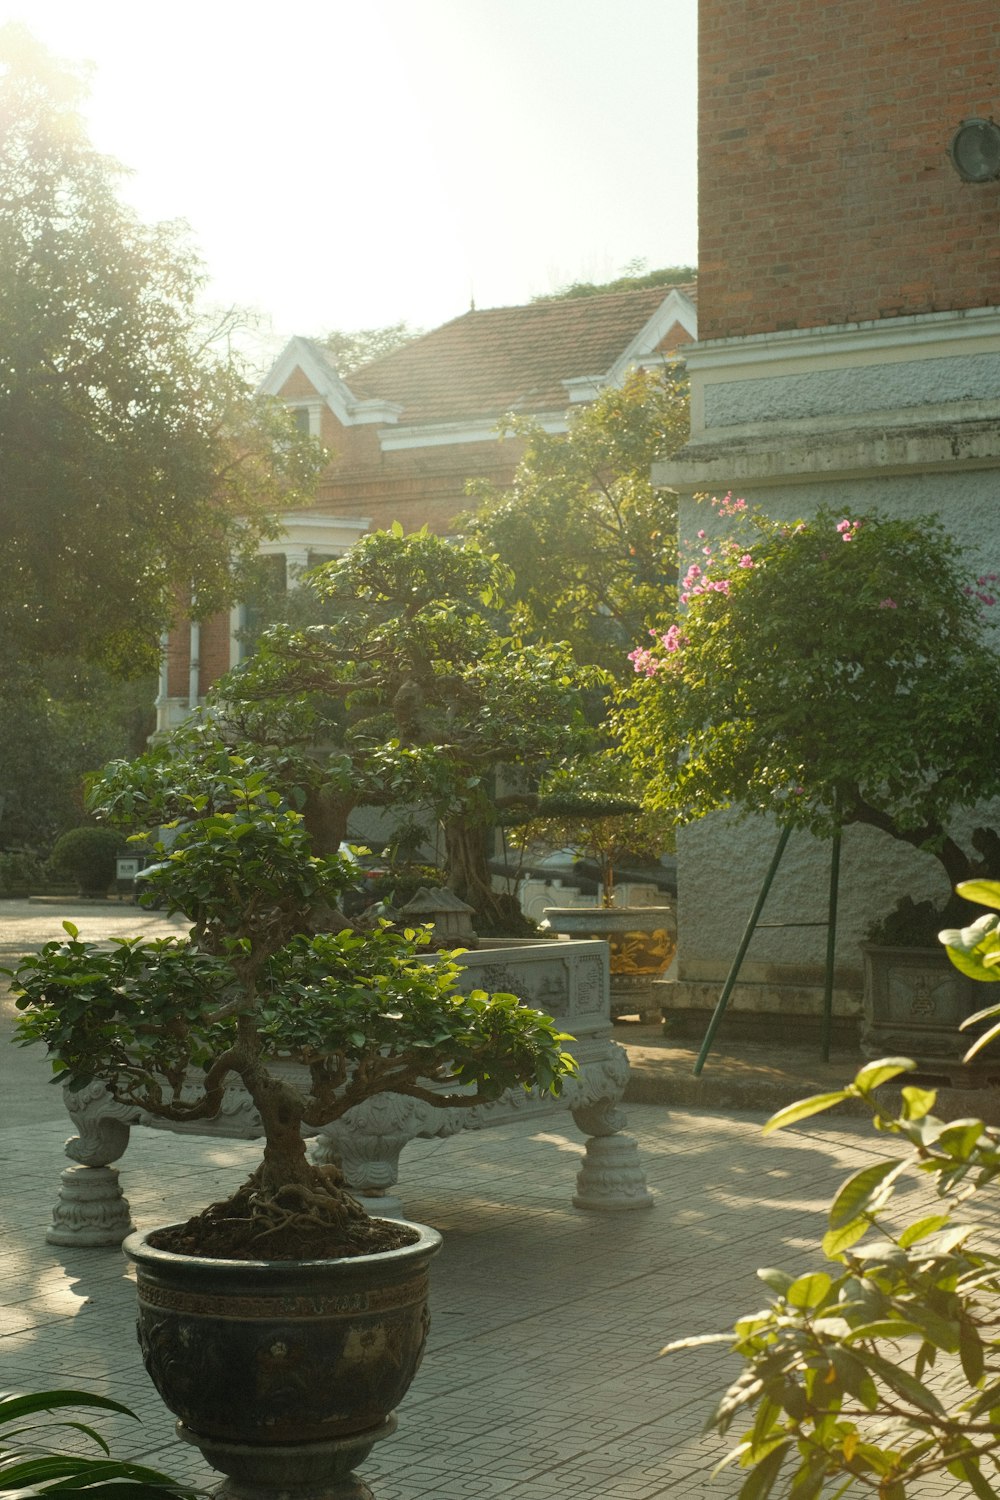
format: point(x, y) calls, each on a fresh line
point(317, 1219)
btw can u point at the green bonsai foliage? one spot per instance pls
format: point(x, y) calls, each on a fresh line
point(883, 1368)
point(88, 854)
point(165, 1023)
point(415, 695)
point(594, 806)
point(825, 672)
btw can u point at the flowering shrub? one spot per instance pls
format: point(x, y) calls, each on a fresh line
point(827, 672)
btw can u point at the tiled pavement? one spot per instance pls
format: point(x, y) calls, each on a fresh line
point(542, 1377)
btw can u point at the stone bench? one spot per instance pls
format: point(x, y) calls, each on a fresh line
point(567, 980)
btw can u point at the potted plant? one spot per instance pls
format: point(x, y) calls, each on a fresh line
point(591, 806)
point(840, 1387)
point(286, 1315)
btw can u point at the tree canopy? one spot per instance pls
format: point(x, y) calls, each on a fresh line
point(138, 464)
point(590, 541)
point(834, 671)
point(420, 694)
point(633, 278)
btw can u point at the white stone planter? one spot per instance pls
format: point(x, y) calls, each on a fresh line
point(568, 981)
point(914, 1003)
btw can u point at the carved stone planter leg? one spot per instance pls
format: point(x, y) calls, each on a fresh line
point(611, 1177)
point(91, 1208)
point(366, 1144)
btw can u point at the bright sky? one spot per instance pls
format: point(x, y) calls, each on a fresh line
point(353, 163)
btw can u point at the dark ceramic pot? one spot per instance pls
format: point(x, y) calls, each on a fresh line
point(290, 1352)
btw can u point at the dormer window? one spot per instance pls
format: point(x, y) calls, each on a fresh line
point(306, 416)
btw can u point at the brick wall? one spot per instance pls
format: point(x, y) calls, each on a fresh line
point(417, 486)
point(826, 192)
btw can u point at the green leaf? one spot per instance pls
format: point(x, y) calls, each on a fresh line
point(759, 1484)
point(861, 1191)
point(13, 1407)
point(971, 1353)
point(902, 1382)
point(874, 1074)
point(982, 892)
point(696, 1341)
point(960, 1137)
point(967, 1468)
point(809, 1291)
point(985, 1039)
point(836, 1241)
point(779, 1281)
point(801, 1110)
point(921, 1229)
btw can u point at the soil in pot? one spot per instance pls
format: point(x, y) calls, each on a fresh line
point(314, 1219)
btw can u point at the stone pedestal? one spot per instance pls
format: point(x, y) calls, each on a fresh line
point(91, 1208)
point(291, 1471)
point(611, 1177)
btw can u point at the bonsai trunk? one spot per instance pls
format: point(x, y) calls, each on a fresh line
point(467, 855)
point(289, 1209)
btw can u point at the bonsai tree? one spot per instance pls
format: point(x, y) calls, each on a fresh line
point(410, 692)
point(165, 1023)
point(594, 807)
point(839, 1368)
point(826, 672)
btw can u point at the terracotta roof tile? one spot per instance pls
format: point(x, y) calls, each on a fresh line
point(503, 359)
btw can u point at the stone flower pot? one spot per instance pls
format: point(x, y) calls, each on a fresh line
point(642, 940)
point(914, 1003)
point(284, 1373)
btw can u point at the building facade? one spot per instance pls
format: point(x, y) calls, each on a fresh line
point(848, 353)
point(407, 432)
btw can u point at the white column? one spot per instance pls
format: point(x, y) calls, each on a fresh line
point(296, 563)
point(194, 668)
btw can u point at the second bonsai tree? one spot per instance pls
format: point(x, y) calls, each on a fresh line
point(264, 978)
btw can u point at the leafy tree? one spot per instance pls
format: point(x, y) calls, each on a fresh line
point(883, 1368)
point(634, 278)
point(415, 694)
point(591, 542)
point(826, 672)
point(137, 463)
point(59, 722)
point(351, 350)
point(593, 805)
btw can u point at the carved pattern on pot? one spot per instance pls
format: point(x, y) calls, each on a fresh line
point(347, 1304)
